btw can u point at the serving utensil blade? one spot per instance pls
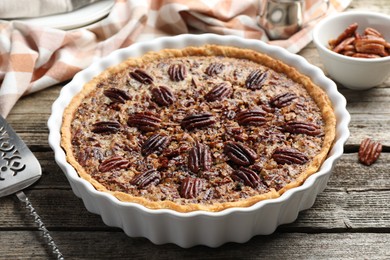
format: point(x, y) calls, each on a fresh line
point(19, 168)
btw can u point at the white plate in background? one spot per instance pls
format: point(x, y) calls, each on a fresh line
point(75, 19)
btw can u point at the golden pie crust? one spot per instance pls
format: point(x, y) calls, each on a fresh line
point(217, 182)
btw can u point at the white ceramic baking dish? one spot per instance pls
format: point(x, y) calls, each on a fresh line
point(199, 227)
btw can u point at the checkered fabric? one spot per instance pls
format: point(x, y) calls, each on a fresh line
point(33, 58)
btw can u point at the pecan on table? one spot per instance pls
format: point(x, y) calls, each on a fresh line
point(369, 151)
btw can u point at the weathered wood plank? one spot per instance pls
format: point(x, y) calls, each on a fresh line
point(57, 208)
point(60, 209)
point(357, 197)
point(116, 245)
point(350, 175)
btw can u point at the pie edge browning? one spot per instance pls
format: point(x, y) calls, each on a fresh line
point(318, 95)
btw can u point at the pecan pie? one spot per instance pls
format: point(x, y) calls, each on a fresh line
point(201, 128)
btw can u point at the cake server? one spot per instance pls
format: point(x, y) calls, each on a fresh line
point(19, 168)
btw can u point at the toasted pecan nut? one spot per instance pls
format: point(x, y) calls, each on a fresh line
point(348, 53)
point(296, 127)
point(247, 176)
point(350, 47)
point(141, 76)
point(214, 69)
point(365, 55)
point(341, 46)
point(219, 92)
point(116, 95)
point(144, 121)
point(369, 45)
point(114, 162)
point(348, 32)
point(239, 153)
point(163, 95)
point(289, 155)
point(372, 31)
point(283, 99)
point(370, 48)
point(199, 158)
point(197, 121)
point(154, 144)
point(106, 127)
point(369, 151)
point(190, 187)
point(251, 117)
point(147, 178)
point(256, 79)
point(349, 50)
point(177, 72)
point(370, 39)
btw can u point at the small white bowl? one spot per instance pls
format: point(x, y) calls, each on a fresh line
point(353, 73)
point(200, 227)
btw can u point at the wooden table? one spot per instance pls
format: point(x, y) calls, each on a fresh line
point(350, 219)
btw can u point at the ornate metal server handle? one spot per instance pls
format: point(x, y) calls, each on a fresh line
point(22, 197)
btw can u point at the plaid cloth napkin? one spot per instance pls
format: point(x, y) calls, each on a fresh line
point(33, 58)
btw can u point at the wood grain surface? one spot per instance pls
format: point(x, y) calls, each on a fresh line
point(349, 220)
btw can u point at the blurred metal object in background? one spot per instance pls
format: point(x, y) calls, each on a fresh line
point(282, 18)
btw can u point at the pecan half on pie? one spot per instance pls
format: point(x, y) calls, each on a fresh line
point(201, 128)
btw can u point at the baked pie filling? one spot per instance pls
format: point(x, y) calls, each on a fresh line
point(202, 128)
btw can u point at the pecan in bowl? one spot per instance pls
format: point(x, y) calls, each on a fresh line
point(354, 48)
